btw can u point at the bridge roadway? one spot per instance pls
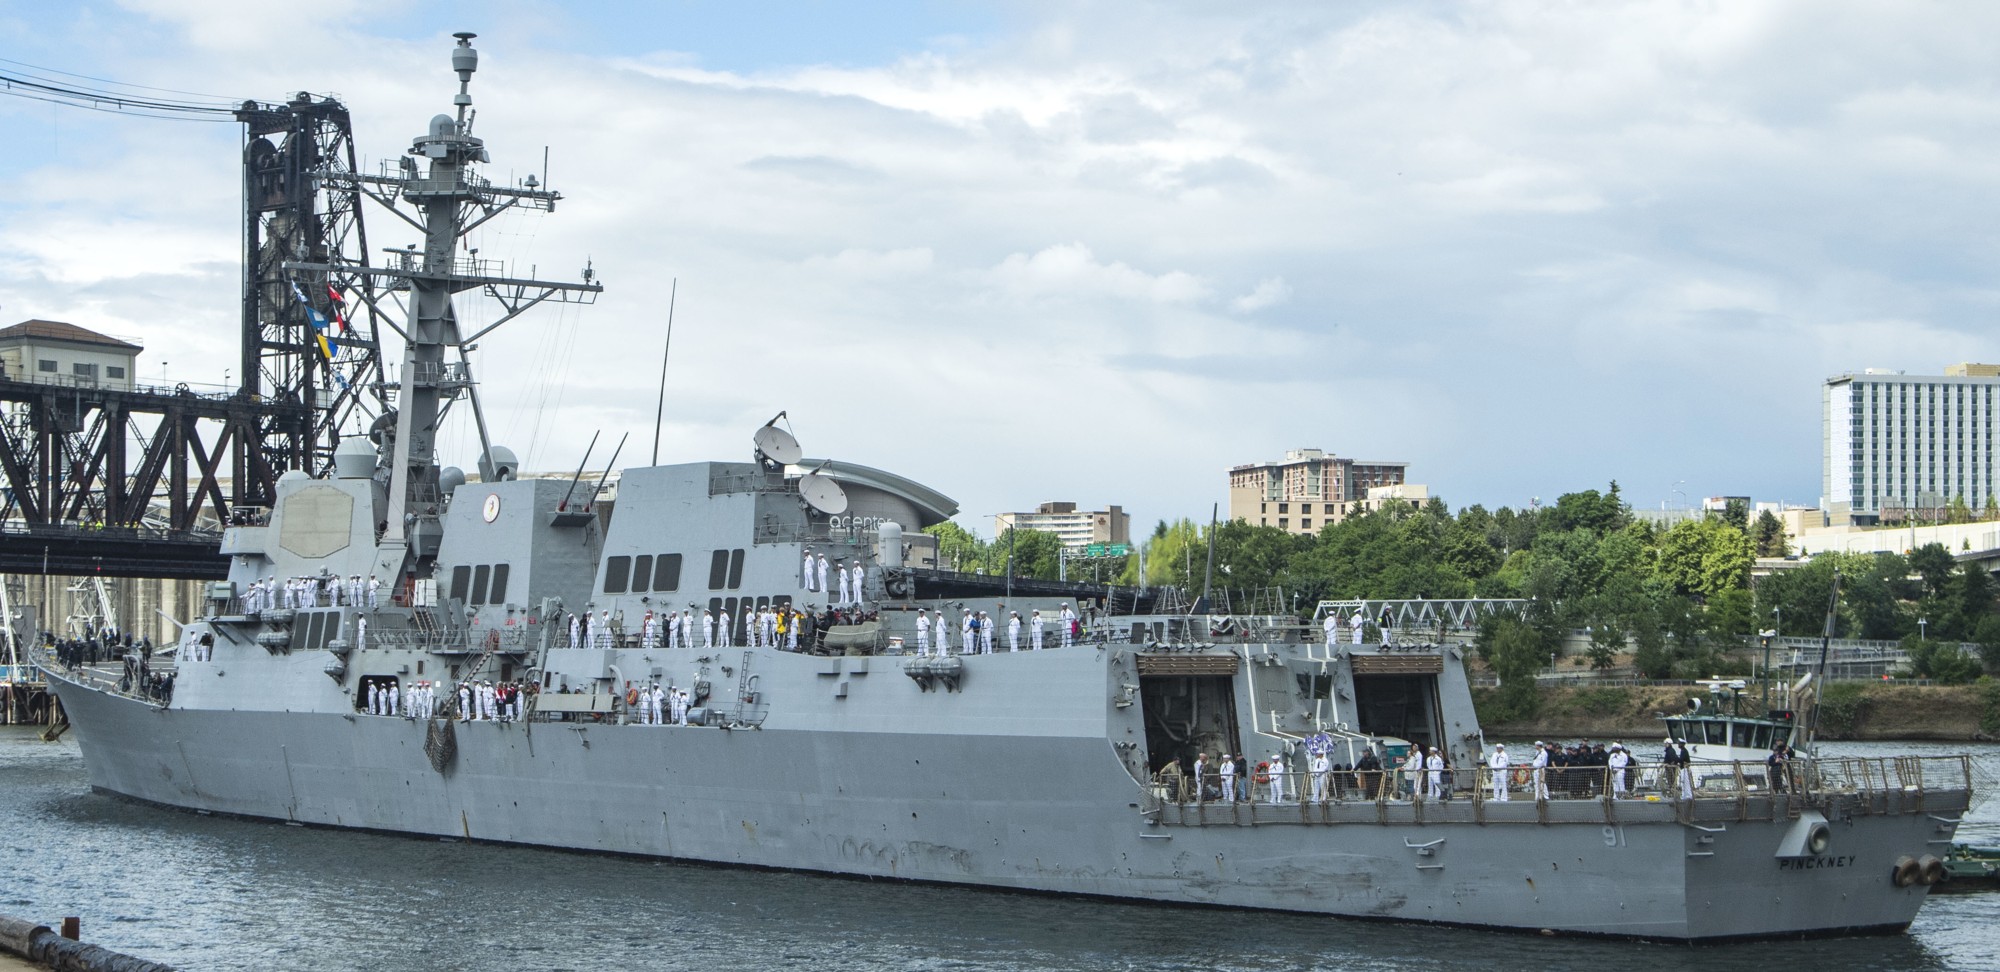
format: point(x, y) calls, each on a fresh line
point(80, 551)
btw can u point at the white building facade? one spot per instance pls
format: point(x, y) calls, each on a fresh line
point(1903, 445)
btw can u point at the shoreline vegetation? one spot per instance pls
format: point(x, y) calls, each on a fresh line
point(1857, 711)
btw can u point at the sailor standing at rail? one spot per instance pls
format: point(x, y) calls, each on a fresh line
point(1332, 627)
point(575, 632)
point(648, 633)
point(1228, 779)
point(374, 588)
point(1618, 760)
point(820, 568)
point(1354, 623)
point(923, 634)
point(985, 633)
point(771, 626)
point(374, 699)
point(1035, 628)
point(840, 574)
point(1435, 767)
point(673, 629)
point(687, 627)
point(806, 572)
point(708, 629)
point(1067, 621)
point(856, 576)
point(943, 633)
point(1014, 631)
point(968, 632)
point(464, 701)
point(1540, 768)
point(1498, 764)
point(1320, 767)
point(1276, 771)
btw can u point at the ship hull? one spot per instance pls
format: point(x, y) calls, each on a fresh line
point(1031, 812)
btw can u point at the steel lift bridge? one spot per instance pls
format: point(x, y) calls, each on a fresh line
point(138, 483)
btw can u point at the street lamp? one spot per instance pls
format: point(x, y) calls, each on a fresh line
point(1923, 629)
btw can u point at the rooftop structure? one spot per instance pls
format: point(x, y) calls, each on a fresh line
point(53, 351)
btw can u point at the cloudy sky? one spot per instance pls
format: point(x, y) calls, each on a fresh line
point(1102, 251)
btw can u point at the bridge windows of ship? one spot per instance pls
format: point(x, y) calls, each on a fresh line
point(481, 584)
point(725, 570)
point(645, 572)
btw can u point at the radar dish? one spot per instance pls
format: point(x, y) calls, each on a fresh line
point(777, 445)
point(823, 494)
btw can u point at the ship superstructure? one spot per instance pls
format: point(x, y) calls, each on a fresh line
point(857, 743)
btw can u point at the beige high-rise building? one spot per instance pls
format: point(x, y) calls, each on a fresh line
point(1077, 528)
point(1306, 490)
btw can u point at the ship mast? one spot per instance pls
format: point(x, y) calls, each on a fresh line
point(435, 189)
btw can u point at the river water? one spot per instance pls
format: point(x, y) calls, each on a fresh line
point(215, 893)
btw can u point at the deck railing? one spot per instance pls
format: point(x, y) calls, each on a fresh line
point(1704, 792)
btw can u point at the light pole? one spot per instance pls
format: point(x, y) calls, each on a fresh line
point(1682, 494)
point(1923, 629)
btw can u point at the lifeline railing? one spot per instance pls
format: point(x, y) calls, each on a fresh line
point(1706, 791)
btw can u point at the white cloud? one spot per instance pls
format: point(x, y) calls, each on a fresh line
point(1269, 292)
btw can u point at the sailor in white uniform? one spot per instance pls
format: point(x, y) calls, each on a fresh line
point(687, 628)
point(465, 701)
point(1435, 767)
point(923, 634)
point(1320, 767)
point(1276, 769)
point(1035, 628)
point(856, 575)
point(708, 629)
point(821, 566)
point(1014, 631)
point(725, 628)
point(1067, 623)
point(806, 572)
point(1498, 764)
point(361, 631)
point(1332, 627)
point(771, 627)
point(374, 699)
point(1228, 779)
point(575, 631)
point(1617, 761)
point(840, 572)
point(649, 632)
point(985, 634)
point(1540, 767)
point(943, 633)
point(1354, 623)
point(374, 589)
point(968, 633)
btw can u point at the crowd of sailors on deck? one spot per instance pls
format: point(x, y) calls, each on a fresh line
point(107, 645)
point(325, 589)
point(786, 628)
point(478, 700)
point(1550, 771)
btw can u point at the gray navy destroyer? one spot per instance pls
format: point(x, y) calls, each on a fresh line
point(870, 750)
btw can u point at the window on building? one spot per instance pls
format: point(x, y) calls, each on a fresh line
point(1305, 524)
point(114, 371)
point(45, 364)
point(1284, 523)
point(82, 370)
point(1328, 510)
point(1284, 508)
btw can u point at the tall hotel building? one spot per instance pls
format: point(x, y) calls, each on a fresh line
point(1896, 442)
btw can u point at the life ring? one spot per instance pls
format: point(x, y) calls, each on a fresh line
point(1906, 872)
point(1263, 773)
point(1520, 776)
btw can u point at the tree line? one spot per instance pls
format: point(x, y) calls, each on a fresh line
point(1680, 599)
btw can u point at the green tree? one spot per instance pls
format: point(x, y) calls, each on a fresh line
point(1940, 660)
point(1514, 649)
point(1770, 536)
point(1704, 557)
point(1933, 564)
point(958, 549)
point(1736, 513)
point(1036, 553)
